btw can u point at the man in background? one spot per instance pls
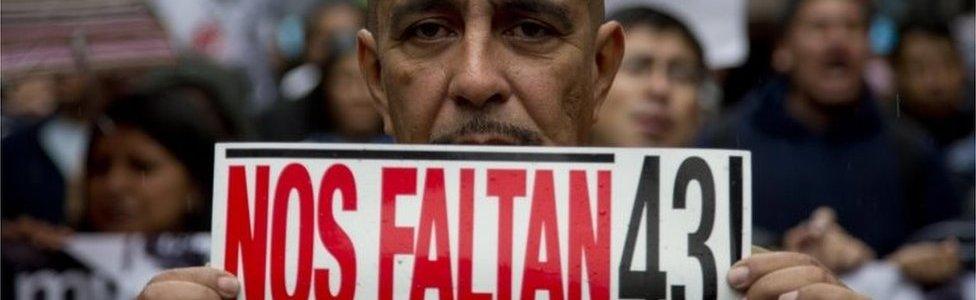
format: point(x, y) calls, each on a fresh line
point(818, 138)
point(930, 76)
point(661, 96)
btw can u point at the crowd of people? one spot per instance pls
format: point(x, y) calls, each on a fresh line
point(859, 154)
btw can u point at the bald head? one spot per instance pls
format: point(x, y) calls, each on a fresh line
point(595, 8)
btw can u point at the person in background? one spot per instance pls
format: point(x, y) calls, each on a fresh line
point(26, 100)
point(930, 74)
point(338, 110)
point(150, 163)
point(147, 171)
point(931, 83)
point(298, 114)
point(818, 139)
point(160, 138)
point(661, 95)
point(346, 102)
point(320, 28)
point(49, 156)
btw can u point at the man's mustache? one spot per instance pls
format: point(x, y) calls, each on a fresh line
point(520, 136)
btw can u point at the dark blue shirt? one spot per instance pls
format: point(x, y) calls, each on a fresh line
point(883, 179)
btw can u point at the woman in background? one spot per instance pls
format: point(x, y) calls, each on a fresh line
point(148, 172)
point(338, 110)
point(345, 99)
point(151, 158)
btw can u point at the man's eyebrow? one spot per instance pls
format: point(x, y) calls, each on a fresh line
point(557, 12)
point(411, 7)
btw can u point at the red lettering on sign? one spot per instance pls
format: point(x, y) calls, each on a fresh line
point(538, 274)
point(293, 177)
point(247, 236)
point(506, 185)
point(241, 239)
point(433, 217)
point(466, 235)
point(393, 239)
point(336, 241)
point(582, 239)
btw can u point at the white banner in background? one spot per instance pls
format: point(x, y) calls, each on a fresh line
point(719, 25)
point(455, 222)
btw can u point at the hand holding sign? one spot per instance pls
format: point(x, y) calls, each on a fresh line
point(192, 283)
point(781, 275)
point(787, 276)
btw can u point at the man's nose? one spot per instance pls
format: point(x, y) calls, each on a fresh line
point(478, 75)
point(841, 35)
point(658, 86)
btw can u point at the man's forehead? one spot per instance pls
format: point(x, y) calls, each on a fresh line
point(462, 3)
point(384, 9)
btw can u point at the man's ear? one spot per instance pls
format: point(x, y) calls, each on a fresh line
point(609, 53)
point(369, 64)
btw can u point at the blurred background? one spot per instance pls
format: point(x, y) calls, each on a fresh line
point(859, 115)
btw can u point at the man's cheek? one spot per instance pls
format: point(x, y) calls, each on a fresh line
point(416, 108)
point(548, 111)
point(410, 120)
point(554, 98)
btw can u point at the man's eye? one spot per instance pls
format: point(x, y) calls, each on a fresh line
point(684, 74)
point(531, 31)
point(638, 66)
point(430, 31)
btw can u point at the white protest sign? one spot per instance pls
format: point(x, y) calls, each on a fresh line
point(454, 222)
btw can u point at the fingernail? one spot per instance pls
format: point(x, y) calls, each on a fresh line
point(228, 286)
point(790, 296)
point(739, 276)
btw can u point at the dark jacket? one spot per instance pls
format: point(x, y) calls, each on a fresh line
point(885, 180)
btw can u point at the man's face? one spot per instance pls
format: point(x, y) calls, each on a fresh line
point(510, 72)
point(827, 45)
point(930, 75)
point(654, 100)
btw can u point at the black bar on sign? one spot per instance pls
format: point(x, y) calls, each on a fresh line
point(735, 205)
point(422, 155)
